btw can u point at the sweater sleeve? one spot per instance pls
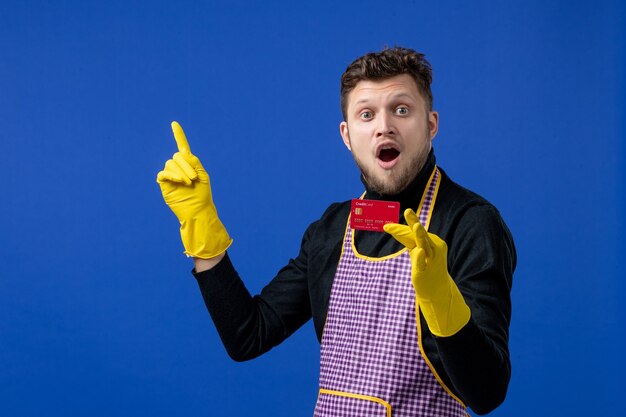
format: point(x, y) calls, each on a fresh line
point(251, 325)
point(481, 260)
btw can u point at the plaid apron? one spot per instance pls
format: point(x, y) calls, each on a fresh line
point(371, 364)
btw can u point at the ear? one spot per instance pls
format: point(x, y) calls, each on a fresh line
point(345, 135)
point(433, 124)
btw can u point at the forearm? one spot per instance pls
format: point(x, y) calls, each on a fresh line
point(246, 326)
point(250, 326)
point(478, 366)
point(201, 265)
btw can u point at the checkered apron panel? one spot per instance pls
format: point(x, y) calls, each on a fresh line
point(369, 350)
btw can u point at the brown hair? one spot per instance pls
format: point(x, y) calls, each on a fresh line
point(386, 64)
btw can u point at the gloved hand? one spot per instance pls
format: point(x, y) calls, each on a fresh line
point(438, 297)
point(187, 191)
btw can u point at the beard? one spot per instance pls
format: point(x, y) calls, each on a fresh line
point(398, 178)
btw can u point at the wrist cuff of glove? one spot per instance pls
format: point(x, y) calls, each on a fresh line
point(447, 313)
point(205, 239)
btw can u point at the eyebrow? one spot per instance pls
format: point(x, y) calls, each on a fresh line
point(395, 96)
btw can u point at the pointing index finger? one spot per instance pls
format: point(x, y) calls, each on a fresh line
point(181, 139)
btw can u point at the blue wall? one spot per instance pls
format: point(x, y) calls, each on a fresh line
point(99, 313)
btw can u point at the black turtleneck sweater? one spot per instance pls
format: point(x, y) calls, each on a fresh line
point(473, 363)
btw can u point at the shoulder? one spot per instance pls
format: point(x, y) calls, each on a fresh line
point(321, 247)
point(455, 199)
point(331, 224)
point(463, 217)
point(456, 203)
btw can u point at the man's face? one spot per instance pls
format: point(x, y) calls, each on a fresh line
point(388, 131)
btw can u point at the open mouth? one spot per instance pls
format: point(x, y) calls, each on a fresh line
point(388, 155)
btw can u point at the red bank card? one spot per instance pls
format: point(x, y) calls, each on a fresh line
point(373, 214)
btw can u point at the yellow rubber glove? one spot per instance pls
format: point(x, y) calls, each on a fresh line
point(438, 297)
point(187, 191)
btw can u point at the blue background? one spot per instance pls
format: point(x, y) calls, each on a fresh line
point(99, 313)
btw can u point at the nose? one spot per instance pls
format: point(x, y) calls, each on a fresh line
point(385, 125)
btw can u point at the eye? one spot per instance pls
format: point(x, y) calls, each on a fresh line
point(402, 111)
point(366, 115)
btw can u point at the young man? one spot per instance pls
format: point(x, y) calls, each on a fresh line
point(412, 321)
